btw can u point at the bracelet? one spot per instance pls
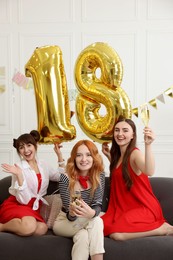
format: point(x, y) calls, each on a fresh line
point(71, 218)
point(60, 163)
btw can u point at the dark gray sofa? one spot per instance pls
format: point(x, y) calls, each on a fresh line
point(49, 246)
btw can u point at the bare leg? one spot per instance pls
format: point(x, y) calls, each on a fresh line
point(41, 229)
point(25, 226)
point(163, 230)
point(97, 257)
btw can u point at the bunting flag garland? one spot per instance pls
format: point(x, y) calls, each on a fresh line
point(2, 72)
point(22, 81)
point(2, 79)
point(153, 102)
point(161, 98)
point(135, 111)
point(2, 88)
point(169, 92)
point(27, 83)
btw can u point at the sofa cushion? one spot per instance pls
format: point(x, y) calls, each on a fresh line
point(13, 247)
point(4, 185)
point(147, 248)
point(163, 189)
point(49, 246)
point(50, 212)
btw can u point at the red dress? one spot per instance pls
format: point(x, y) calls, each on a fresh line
point(11, 208)
point(137, 210)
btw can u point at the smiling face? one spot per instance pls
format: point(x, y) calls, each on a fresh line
point(84, 160)
point(27, 151)
point(123, 133)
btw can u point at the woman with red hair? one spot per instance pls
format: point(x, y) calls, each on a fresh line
point(79, 219)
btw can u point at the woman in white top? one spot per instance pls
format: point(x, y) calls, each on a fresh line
point(20, 213)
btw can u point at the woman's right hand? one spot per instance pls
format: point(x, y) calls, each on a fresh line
point(13, 169)
point(106, 150)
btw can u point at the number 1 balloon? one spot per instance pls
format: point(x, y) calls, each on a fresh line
point(53, 113)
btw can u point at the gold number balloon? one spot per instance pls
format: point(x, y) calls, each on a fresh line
point(95, 92)
point(53, 114)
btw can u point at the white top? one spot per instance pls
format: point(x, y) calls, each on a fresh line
point(29, 189)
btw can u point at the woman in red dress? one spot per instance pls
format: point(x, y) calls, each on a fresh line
point(20, 213)
point(133, 209)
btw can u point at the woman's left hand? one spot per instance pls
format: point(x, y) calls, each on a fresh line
point(149, 135)
point(84, 210)
point(57, 148)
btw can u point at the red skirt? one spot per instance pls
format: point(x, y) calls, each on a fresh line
point(11, 208)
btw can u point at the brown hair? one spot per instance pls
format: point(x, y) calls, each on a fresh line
point(32, 138)
point(115, 153)
point(94, 172)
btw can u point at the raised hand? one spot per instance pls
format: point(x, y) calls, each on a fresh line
point(57, 149)
point(13, 169)
point(149, 135)
point(106, 150)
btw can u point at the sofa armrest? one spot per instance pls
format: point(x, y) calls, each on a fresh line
point(4, 185)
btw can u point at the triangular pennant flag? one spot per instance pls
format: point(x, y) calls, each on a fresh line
point(71, 113)
point(135, 111)
point(153, 103)
point(161, 98)
point(168, 92)
point(2, 71)
point(2, 88)
point(29, 84)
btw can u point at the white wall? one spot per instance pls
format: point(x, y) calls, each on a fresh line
point(141, 32)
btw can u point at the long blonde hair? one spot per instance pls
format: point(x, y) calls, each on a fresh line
point(94, 172)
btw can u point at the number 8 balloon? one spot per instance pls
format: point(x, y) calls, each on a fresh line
point(53, 114)
point(105, 90)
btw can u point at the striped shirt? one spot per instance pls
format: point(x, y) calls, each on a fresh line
point(95, 202)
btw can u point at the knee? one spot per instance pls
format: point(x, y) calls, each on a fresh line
point(97, 222)
point(117, 236)
point(41, 229)
point(81, 237)
point(28, 228)
point(55, 228)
